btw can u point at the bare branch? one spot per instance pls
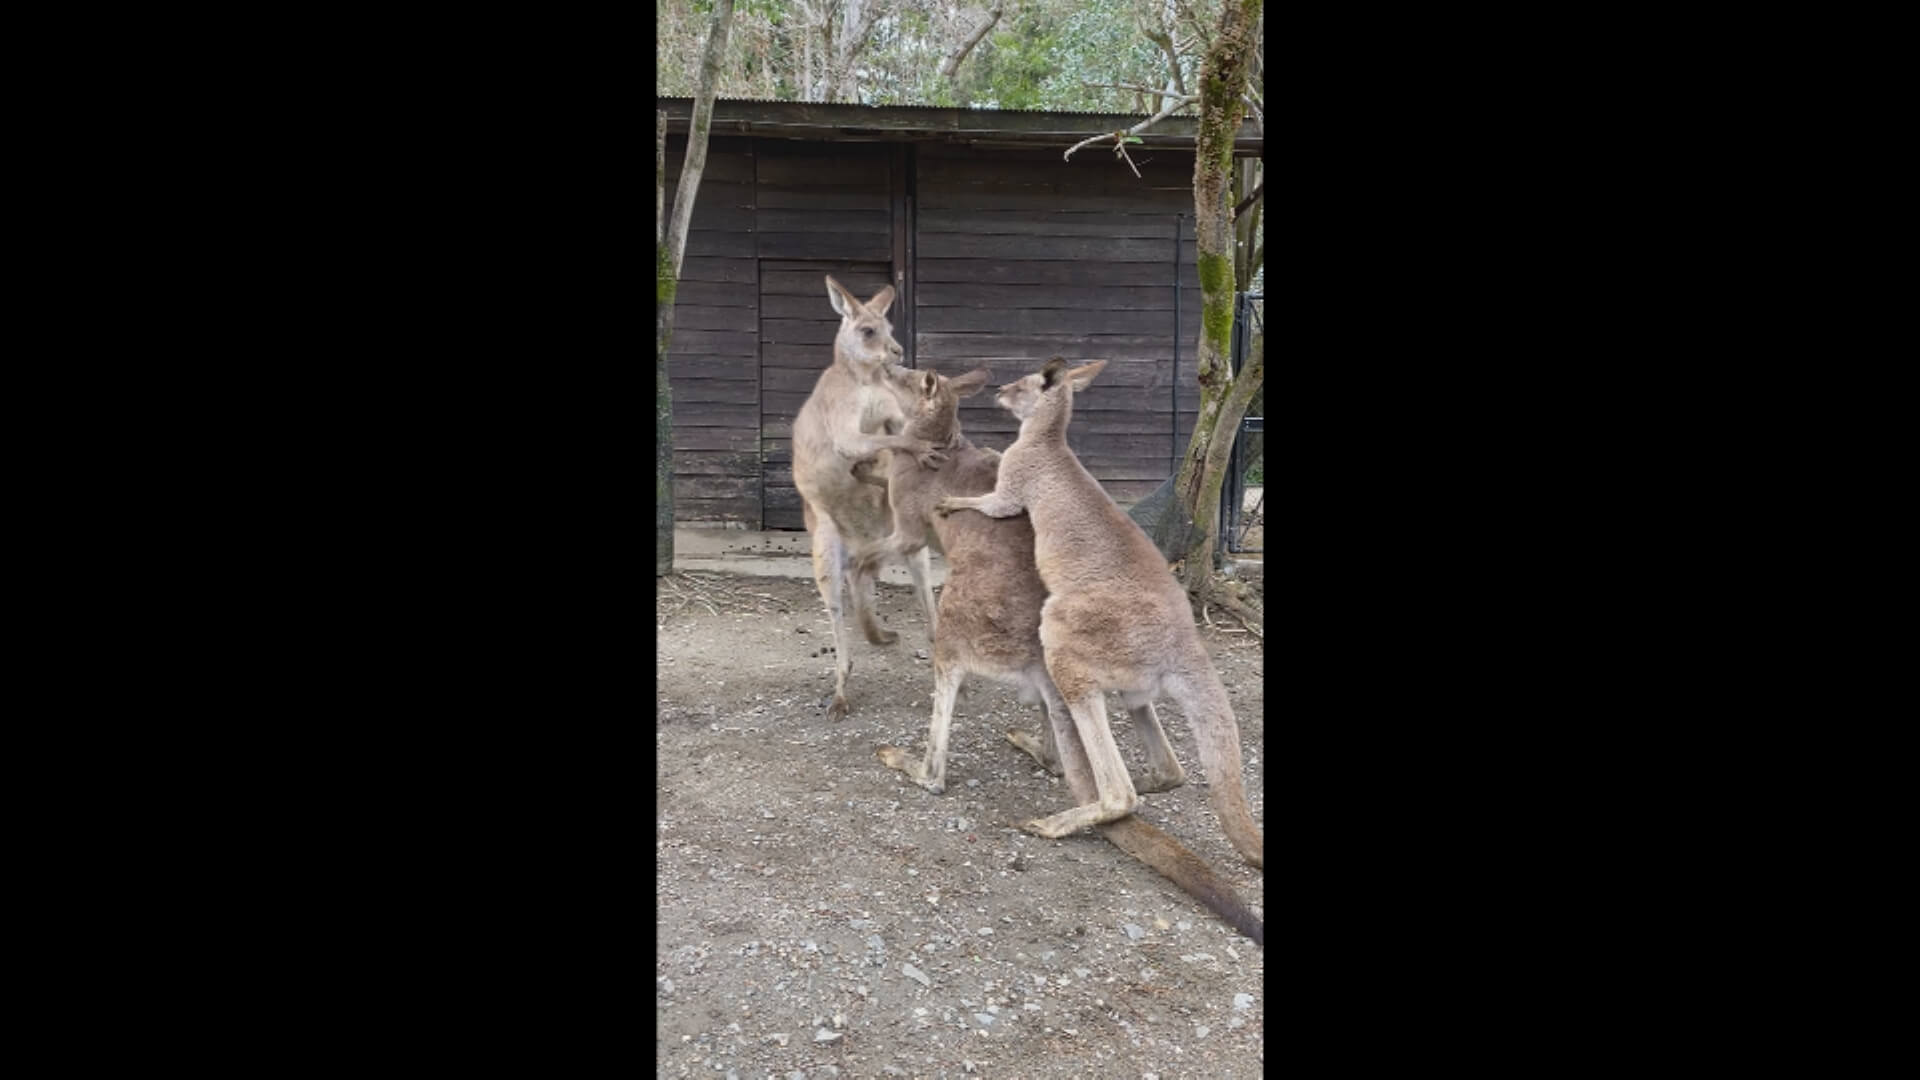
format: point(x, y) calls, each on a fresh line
point(1125, 86)
point(960, 53)
point(1165, 41)
point(1258, 116)
point(1251, 197)
point(1120, 137)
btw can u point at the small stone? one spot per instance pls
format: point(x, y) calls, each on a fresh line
point(916, 975)
point(839, 1020)
point(1134, 932)
point(1201, 1031)
point(874, 943)
point(801, 630)
point(667, 986)
point(919, 654)
point(1235, 1022)
point(1184, 925)
point(821, 1035)
point(973, 783)
point(1243, 1001)
point(780, 1037)
point(1161, 924)
point(986, 931)
point(985, 1020)
point(796, 1075)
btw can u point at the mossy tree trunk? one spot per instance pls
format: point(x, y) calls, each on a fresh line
point(1223, 397)
point(669, 247)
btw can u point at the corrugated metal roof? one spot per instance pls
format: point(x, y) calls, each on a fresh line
point(929, 108)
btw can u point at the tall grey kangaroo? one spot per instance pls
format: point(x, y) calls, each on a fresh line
point(1114, 618)
point(853, 417)
point(990, 614)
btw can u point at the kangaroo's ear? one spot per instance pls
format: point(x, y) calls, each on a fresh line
point(929, 383)
point(881, 301)
point(969, 384)
point(1081, 376)
point(843, 301)
point(1050, 375)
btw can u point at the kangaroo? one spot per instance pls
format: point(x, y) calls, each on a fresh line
point(1114, 617)
point(853, 417)
point(990, 625)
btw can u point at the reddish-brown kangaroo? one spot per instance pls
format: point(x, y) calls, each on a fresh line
point(1114, 619)
point(990, 617)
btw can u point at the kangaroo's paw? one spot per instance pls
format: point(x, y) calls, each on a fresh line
point(837, 710)
point(880, 636)
point(1068, 822)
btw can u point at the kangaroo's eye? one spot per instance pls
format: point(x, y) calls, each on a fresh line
point(866, 331)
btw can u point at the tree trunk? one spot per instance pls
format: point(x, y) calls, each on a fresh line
point(668, 251)
point(1223, 398)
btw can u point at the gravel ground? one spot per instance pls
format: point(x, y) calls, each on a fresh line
point(822, 916)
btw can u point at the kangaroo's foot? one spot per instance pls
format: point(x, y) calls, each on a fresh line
point(837, 710)
point(1159, 779)
point(1037, 750)
point(1068, 822)
point(894, 757)
point(880, 635)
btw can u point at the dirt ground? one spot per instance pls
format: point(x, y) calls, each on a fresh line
point(822, 916)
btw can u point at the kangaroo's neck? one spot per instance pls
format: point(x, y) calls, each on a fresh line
point(1049, 421)
point(942, 430)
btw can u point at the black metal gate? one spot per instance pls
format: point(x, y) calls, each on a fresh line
point(1237, 520)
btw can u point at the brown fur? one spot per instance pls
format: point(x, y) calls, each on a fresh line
point(1115, 617)
point(854, 416)
point(990, 614)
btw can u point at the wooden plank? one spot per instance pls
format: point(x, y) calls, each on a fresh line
point(1046, 223)
point(726, 161)
point(713, 438)
point(813, 357)
point(730, 244)
point(716, 294)
point(700, 366)
point(715, 342)
point(823, 245)
point(1045, 269)
point(718, 391)
point(783, 521)
point(790, 380)
point(1083, 297)
point(782, 402)
point(702, 317)
point(735, 509)
point(1038, 347)
point(801, 197)
point(776, 427)
point(782, 496)
point(719, 270)
point(1094, 174)
point(715, 414)
point(834, 169)
point(851, 221)
point(715, 487)
point(810, 306)
point(1051, 197)
point(715, 463)
point(718, 205)
point(1097, 423)
point(1055, 248)
point(799, 332)
point(936, 320)
point(812, 283)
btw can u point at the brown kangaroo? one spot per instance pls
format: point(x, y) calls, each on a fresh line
point(990, 625)
point(854, 416)
point(1114, 618)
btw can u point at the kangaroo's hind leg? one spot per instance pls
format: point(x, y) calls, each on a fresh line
point(829, 558)
point(1115, 797)
point(1046, 749)
point(930, 772)
point(1163, 769)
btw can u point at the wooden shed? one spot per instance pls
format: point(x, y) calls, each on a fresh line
point(1002, 254)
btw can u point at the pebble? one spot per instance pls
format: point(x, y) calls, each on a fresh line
point(821, 1035)
point(1134, 932)
point(985, 1020)
point(780, 1037)
point(1243, 1001)
point(916, 975)
point(796, 1075)
point(874, 943)
point(1184, 924)
point(986, 931)
point(973, 783)
point(1201, 1031)
point(919, 654)
point(1161, 924)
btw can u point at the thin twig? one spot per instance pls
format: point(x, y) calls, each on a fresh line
point(1120, 137)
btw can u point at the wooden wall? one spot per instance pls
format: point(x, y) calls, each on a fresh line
point(1022, 256)
point(713, 362)
point(1016, 256)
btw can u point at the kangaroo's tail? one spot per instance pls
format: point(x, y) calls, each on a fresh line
point(1182, 867)
point(1217, 735)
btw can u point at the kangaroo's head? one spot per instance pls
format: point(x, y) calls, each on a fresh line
point(1047, 393)
point(865, 341)
point(934, 413)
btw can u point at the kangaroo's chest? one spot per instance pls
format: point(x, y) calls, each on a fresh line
point(875, 411)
